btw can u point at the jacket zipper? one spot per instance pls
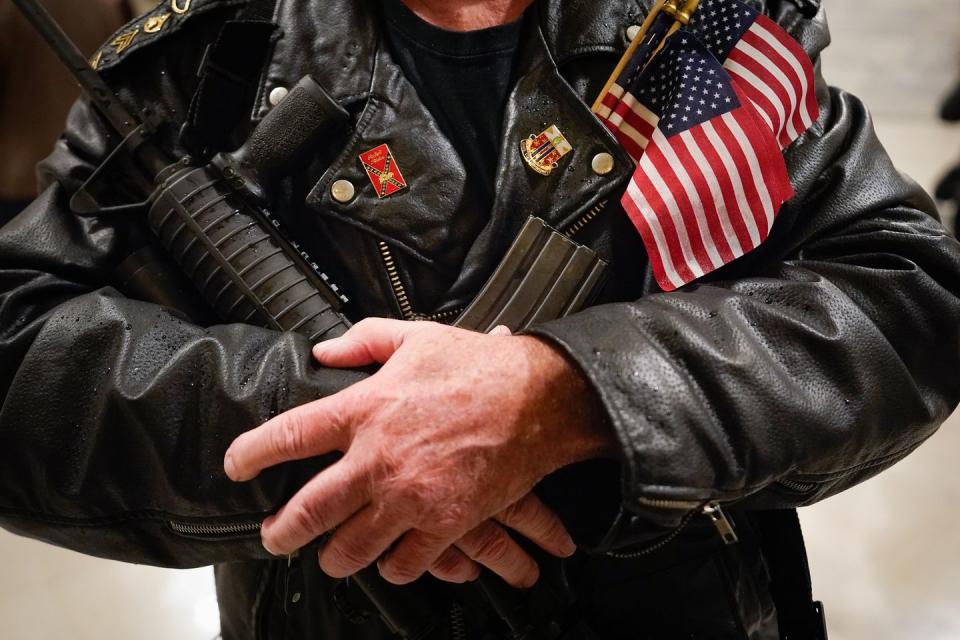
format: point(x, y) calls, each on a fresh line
point(586, 219)
point(400, 292)
point(458, 625)
point(798, 487)
point(711, 510)
point(809, 485)
point(214, 530)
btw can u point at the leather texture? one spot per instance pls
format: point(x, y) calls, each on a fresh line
point(795, 372)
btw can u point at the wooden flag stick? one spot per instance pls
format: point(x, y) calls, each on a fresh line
point(629, 53)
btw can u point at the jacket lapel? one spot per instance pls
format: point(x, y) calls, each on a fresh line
point(431, 221)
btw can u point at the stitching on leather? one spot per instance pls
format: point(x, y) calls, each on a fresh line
point(870, 463)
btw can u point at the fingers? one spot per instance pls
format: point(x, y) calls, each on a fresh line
point(370, 341)
point(454, 566)
point(303, 432)
point(321, 505)
point(417, 552)
point(490, 545)
point(360, 541)
point(532, 519)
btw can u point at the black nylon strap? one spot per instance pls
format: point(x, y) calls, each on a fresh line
point(259, 10)
point(229, 74)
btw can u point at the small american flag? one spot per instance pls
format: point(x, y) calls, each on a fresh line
point(712, 177)
point(769, 66)
point(706, 122)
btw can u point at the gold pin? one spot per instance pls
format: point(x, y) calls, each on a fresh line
point(156, 23)
point(178, 8)
point(123, 42)
point(95, 60)
point(542, 152)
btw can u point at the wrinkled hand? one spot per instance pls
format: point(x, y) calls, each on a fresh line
point(443, 443)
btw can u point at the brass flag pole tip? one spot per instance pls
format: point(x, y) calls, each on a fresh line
point(688, 10)
point(684, 15)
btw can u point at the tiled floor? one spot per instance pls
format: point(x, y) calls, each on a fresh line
point(885, 556)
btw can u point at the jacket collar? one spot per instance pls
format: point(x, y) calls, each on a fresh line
point(345, 33)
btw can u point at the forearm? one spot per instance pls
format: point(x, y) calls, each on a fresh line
point(818, 368)
point(116, 413)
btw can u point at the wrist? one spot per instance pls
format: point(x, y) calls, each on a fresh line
point(577, 422)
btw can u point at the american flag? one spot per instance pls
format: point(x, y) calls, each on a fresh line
point(706, 121)
point(712, 176)
point(769, 66)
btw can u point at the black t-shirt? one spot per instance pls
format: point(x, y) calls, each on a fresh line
point(464, 79)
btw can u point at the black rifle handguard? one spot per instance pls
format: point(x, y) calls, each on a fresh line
point(245, 270)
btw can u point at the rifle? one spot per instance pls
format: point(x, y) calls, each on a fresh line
point(214, 221)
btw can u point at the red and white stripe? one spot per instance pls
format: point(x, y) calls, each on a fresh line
point(630, 122)
point(776, 74)
point(707, 196)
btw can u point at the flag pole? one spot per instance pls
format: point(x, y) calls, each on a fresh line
point(682, 18)
point(634, 44)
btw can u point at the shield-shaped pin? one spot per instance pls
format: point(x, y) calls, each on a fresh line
point(383, 171)
point(542, 152)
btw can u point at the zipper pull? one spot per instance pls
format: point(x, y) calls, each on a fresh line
point(721, 522)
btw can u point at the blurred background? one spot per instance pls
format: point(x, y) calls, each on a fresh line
point(884, 555)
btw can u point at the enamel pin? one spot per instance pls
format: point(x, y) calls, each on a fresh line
point(383, 171)
point(543, 152)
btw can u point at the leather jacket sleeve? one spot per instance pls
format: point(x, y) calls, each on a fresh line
point(116, 413)
point(812, 364)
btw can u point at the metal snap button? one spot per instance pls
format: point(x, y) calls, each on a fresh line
point(602, 164)
point(278, 94)
point(343, 191)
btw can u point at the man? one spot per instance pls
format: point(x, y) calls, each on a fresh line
point(645, 423)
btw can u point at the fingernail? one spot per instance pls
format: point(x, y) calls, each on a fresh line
point(263, 540)
point(230, 466)
point(568, 547)
point(530, 580)
point(269, 550)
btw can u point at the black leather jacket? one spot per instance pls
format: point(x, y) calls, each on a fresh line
point(799, 370)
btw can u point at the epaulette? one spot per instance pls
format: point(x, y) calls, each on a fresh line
point(161, 21)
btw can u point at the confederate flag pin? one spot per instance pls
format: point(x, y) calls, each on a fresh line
point(542, 152)
point(382, 169)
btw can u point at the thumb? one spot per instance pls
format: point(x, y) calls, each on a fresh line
point(370, 341)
